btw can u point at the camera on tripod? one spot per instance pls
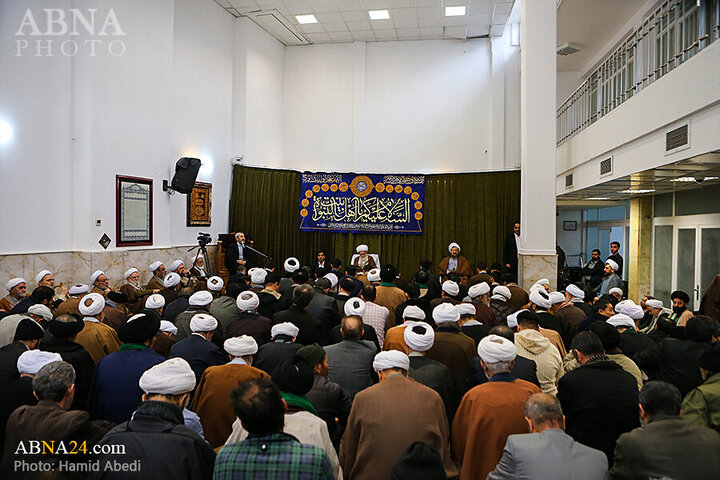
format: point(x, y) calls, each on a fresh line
point(203, 239)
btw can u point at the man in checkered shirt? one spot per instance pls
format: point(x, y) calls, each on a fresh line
point(267, 453)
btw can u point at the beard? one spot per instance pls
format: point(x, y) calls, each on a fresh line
point(679, 310)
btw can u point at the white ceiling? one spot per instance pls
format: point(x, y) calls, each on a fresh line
point(590, 24)
point(347, 20)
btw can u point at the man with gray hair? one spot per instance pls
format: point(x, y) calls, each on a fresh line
point(548, 453)
point(49, 420)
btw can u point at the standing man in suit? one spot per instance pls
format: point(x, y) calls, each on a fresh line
point(548, 452)
point(616, 257)
point(510, 256)
point(236, 257)
point(592, 272)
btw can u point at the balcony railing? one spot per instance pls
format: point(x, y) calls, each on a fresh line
point(671, 34)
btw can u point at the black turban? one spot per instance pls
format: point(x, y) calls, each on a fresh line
point(681, 295)
point(314, 353)
point(28, 329)
point(117, 297)
point(347, 284)
point(420, 461)
point(66, 329)
point(294, 375)
point(140, 328)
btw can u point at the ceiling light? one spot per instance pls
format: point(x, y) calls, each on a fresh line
point(379, 14)
point(6, 132)
point(697, 179)
point(305, 19)
point(638, 191)
point(455, 11)
point(599, 198)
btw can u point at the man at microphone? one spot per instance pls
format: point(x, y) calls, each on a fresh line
point(237, 255)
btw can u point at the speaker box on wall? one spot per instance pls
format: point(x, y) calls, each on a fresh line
point(186, 171)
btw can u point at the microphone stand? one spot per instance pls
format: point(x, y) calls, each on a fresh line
point(267, 257)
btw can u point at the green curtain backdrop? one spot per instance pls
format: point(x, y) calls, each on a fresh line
point(477, 210)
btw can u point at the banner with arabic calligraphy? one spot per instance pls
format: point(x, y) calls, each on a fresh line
point(348, 202)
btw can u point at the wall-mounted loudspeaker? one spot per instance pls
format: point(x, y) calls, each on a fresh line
point(186, 171)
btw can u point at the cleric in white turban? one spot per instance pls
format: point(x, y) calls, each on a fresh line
point(496, 349)
point(79, 289)
point(450, 288)
point(242, 346)
point(613, 264)
point(215, 284)
point(201, 298)
point(248, 301)
point(413, 312)
point(501, 293)
point(373, 275)
point(391, 359)
point(575, 291)
point(419, 336)
point(286, 328)
point(155, 302)
point(41, 276)
point(478, 290)
point(620, 320)
point(540, 298)
point(203, 322)
point(175, 266)
point(168, 327)
point(171, 280)
point(556, 298)
point(445, 313)
point(29, 362)
point(257, 277)
point(171, 377)
point(454, 263)
point(91, 305)
point(333, 279)
point(291, 265)
point(354, 306)
point(40, 311)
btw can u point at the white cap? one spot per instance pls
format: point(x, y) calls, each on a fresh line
point(14, 282)
point(512, 318)
point(41, 275)
point(615, 290)
point(247, 301)
point(504, 292)
point(540, 297)
point(494, 349)
point(621, 320)
point(169, 327)
point(175, 265)
point(241, 346)
point(333, 279)
point(91, 304)
point(355, 306)
point(155, 265)
point(613, 264)
point(155, 301)
point(413, 312)
point(466, 309)
point(453, 244)
point(478, 289)
point(556, 297)
point(42, 311)
point(201, 298)
point(419, 336)
point(79, 289)
point(634, 311)
point(202, 322)
point(285, 328)
point(130, 271)
point(215, 284)
point(391, 359)
point(621, 305)
point(171, 377)
point(445, 313)
point(95, 275)
point(291, 265)
point(543, 281)
point(171, 280)
point(362, 248)
point(373, 275)
point(575, 291)
point(31, 361)
point(654, 303)
point(257, 277)
point(450, 287)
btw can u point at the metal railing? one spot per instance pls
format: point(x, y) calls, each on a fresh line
point(671, 34)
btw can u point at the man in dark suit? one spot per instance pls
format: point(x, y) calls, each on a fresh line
point(547, 452)
point(350, 362)
point(592, 272)
point(324, 308)
point(237, 256)
point(510, 252)
point(616, 257)
point(28, 334)
point(310, 328)
point(197, 349)
point(666, 446)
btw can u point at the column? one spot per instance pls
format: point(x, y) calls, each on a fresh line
point(640, 247)
point(538, 27)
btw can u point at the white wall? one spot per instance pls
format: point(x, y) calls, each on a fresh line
point(567, 83)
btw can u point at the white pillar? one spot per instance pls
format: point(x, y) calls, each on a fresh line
point(538, 33)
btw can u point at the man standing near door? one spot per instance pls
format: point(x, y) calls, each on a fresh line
point(616, 257)
point(510, 253)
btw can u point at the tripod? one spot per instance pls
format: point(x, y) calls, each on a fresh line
point(201, 250)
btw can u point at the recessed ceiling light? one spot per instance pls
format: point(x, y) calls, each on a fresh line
point(305, 19)
point(638, 191)
point(698, 179)
point(455, 11)
point(599, 198)
point(379, 14)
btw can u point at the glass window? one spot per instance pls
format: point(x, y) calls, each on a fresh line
point(662, 262)
point(591, 215)
point(698, 201)
point(592, 242)
point(686, 261)
point(663, 205)
point(710, 254)
point(611, 213)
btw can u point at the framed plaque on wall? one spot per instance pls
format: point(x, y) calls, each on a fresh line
point(199, 205)
point(133, 211)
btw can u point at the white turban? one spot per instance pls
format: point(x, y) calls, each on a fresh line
point(540, 298)
point(615, 290)
point(91, 304)
point(215, 284)
point(175, 265)
point(130, 271)
point(292, 264)
point(575, 291)
point(419, 336)
point(634, 311)
point(33, 360)
point(478, 289)
point(354, 306)
point(333, 279)
point(241, 346)
point(613, 264)
point(450, 287)
point(14, 282)
point(445, 313)
point(202, 322)
point(79, 289)
point(503, 291)
point(466, 309)
point(453, 244)
point(494, 349)
point(155, 301)
point(556, 297)
point(391, 359)
point(42, 311)
point(171, 377)
point(285, 328)
point(41, 275)
point(621, 320)
point(248, 301)
point(622, 305)
point(413, 312)
point(169, 327)
point(171, 279)
point(362, 248)
point(512, 318)
point(654, 303)
point(154, 266)
point(200, 298)
point(258, 276)
point(95, 275)
point(373, 275)
point(543, 281)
